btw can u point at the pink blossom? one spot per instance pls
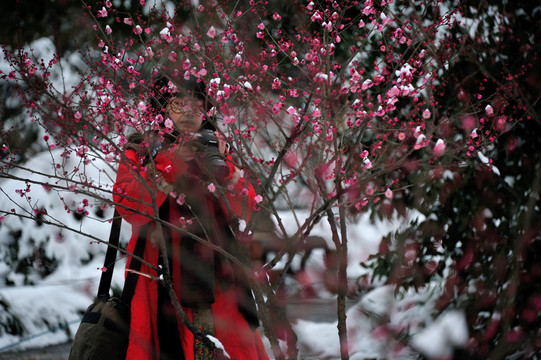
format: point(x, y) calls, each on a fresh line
point(127, 21)
point(211, 33)
point(469, 123)
point(211, 188)
point(291, 110)
point(290, 159)
point(108, 30)
point(276, 16)
point(401, 136)
point(369, 190)
point(439, 148)
point(489, 110)
point(168, 123)
point(200, 8)
point(329, 136)
point(261, 26)
point(316, 17)
point(394, 91)
point(258, 199)
point(426, 114)
point(417, 132)
point(229, 119)
point(367, 84)
point(388, 193)
point(180, 199)
point(102, 12)
point(103, 269)
point(421, 142)
point(367, 163)
point(316, 113)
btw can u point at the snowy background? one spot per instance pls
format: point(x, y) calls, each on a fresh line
point(56, 300)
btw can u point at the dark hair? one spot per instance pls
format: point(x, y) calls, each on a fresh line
point(165, 87)
point(180, 86)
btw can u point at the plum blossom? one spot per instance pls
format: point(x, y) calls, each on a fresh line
point(258, 199)
point(229, 119)
point(181, 198)
point(211, 187)
point(367, 163)
point(141, 106)
point(102, 12)
point(439, 148)
point(421, 142)
point(426, 114)
point(291, 110)
point(369, 191)
point(388, 193)
point(316, 17)
point(168, 124)
point(417, 132)
point(367, 84)
point(211, 33)
point(489, 110)
point(108, 30)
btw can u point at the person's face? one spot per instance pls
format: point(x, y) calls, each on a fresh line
point(186, 113)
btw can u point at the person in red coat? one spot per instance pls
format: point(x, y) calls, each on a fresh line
point(181, 191)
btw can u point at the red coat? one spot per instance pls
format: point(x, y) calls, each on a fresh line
point(231, 328)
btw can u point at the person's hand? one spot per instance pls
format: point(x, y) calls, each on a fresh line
point(185, 151)
point(222, 145)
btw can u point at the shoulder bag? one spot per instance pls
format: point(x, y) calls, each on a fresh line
point(104, 330)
